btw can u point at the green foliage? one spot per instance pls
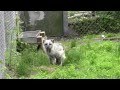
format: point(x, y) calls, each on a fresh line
point(23, 69)
point(110, 35)
point(22, 45)
point(85, 59)
point(92, 60)
point(29, 59)
point(102, 22)
point(22, 63)
point(73, 43)
point(89, 60)
point(71, 13)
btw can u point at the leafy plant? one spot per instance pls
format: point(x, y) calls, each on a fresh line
point(73, 43)
point(103, 21)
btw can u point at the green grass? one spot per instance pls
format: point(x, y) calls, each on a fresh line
point(22, 64)
point(86, 59)
point(97, 60)
point(30, 58)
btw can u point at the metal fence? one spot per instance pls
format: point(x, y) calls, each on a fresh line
point(94, 22)
point(10, 22)
point(7, 34)
point(2, 43)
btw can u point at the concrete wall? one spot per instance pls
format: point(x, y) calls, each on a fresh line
point(54, 23)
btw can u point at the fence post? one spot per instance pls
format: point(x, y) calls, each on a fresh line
point(2, 45)
point(65, 22)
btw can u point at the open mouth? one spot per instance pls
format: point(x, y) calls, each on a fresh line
point(48, 49)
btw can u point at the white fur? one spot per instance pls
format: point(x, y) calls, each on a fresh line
point(55, 51)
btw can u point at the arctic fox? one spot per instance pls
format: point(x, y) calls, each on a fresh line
point(55, 51)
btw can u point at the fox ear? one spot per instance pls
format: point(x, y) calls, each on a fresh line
point(53, 40)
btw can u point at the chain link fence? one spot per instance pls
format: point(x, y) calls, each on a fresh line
point(94, 22)
point(2, 43)
point(7, 35)
point(10, 22)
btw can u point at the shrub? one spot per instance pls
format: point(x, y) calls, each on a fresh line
point(95, 25)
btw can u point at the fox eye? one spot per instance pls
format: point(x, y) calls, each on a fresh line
point(46, 44)
point(50, 44)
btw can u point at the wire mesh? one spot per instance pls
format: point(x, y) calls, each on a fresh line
point(2, 43)
point(7, 36)
point(94, 22)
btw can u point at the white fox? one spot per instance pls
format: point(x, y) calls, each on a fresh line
point(55, 51)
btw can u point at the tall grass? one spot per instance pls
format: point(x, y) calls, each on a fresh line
point(31, 58)
point(84, 60)
point(73, 43)
point(93, 60)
